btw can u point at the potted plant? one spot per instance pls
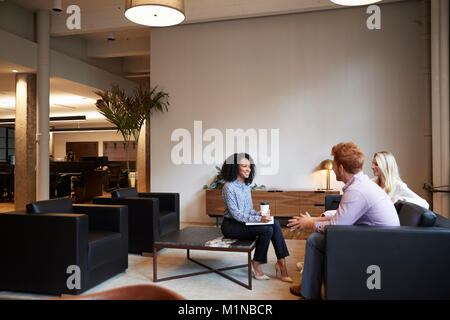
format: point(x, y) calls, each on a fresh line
point(128, 113)
point(218, 183)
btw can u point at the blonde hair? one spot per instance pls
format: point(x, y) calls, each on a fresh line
point(389, 170)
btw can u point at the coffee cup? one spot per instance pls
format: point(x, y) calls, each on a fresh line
point(264, 208)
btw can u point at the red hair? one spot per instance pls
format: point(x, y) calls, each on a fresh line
point(349, 155)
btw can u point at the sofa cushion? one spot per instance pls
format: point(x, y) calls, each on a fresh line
point(125, 193)
point(413, 215)
point(104, 247)
point(168, 222)
point(61, 205)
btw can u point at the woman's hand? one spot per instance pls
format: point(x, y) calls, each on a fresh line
point(266, 218)
point(395, 199)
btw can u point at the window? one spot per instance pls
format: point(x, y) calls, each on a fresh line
point(6, 143)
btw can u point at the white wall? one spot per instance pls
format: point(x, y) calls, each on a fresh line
point(77, 48)
point(320, 78)
point(59, 140)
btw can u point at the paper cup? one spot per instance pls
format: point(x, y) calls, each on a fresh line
point(264, 208)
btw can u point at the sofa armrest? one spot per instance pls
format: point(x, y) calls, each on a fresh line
point(112, 218)
point(167, 201)
point(413, 262)
point(143, 213)
point(37, 249)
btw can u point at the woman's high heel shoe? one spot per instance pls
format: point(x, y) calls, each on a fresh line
point(263, 277)
point(278, 270)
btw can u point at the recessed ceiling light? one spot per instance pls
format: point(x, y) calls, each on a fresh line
point(15, 71)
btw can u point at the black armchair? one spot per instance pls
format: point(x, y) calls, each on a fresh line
point(413, 259)
point(38, 247)
point(151, 216)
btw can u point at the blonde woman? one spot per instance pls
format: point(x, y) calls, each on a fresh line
point(386, 174)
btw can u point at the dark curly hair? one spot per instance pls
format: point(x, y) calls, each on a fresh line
point(230, 168)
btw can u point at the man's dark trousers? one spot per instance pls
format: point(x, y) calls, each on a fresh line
point(313, 266)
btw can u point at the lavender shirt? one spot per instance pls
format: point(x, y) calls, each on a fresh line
point(363, 203)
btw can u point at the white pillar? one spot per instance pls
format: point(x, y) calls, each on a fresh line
point(440, 102)
point(43, 92)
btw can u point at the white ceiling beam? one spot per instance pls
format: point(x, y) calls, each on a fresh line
point(206, 10)
point(93, 19)
point(111, 16)
point(118, 48)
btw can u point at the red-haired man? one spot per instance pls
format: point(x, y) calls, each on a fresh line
point(363, 203)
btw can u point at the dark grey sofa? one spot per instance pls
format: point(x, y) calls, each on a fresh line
point(38, 247)
point(412, 261)
point(150, 215)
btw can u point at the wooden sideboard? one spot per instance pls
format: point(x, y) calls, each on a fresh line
point(286, 203)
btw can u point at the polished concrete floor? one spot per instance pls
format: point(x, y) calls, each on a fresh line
point(6, 206)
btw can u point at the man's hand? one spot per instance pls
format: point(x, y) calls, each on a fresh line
point(302, 222)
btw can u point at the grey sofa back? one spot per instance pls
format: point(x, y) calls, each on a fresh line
point(125, 193)
point(413, 215)
point(61, 205)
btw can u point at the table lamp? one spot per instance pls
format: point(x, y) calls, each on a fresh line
point(327, 165)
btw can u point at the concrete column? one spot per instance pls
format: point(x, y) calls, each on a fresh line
point(143, 160)
point(440, 102)
point(428, 168)
point(25, 141)
point(43, 86)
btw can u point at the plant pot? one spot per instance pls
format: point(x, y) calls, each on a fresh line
point(80, 194)
point(132, 179)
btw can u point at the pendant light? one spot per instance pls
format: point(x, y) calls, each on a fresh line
point(354, 2)
point(155, 13)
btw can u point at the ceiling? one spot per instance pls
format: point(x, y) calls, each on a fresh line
point(67, 98)
point(131, 44)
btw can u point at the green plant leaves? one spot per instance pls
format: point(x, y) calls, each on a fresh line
point(128, 113)
point(256, 187)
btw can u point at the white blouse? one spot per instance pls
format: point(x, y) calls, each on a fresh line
point(402, 192)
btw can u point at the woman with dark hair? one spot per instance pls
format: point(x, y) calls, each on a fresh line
point(239, 170)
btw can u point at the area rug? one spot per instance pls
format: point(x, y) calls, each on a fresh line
point(210, 286)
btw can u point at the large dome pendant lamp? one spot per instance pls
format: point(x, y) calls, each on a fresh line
point(155, 13)
point(354, 2)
